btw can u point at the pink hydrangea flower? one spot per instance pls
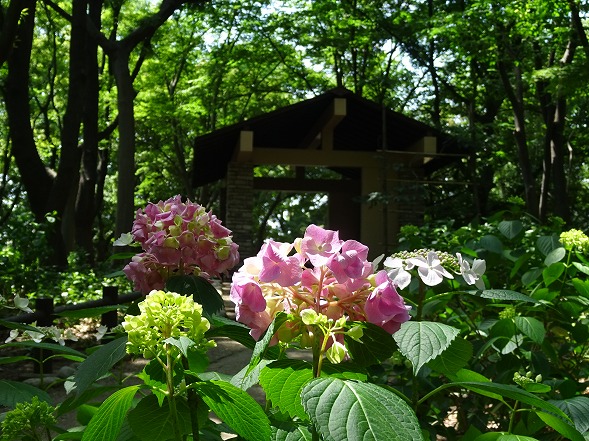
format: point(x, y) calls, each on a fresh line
point(384, 306)
point(179, 238)
point(318, 272)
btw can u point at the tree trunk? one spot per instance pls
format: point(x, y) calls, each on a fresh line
point(86, 199)
point(126, 150)
point(36, 179)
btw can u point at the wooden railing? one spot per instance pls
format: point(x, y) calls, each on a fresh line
point(46, 313)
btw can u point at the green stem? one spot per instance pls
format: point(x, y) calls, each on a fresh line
point(512, 417)
point(192, 402)
point(420, 301)
point(171, 396)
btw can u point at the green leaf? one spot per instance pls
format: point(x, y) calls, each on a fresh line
point(246, 378)
point(283, 381)
point(562, 427)
point(263, 345)
point(99, 363)
point(556, 255)
point(581, 286)
point(202, 292)
point(552, 273)
point(513, 392)
point(8, 360)
point(107, 422)
point(236, 408)
point(454, 358)
point(14, 392)
point(501, 294)
point(152, 422)
point(348, 410)
point(583, 268)
point(531, 276)
point(421, 342)
point(532, 328)
point(58, 349)
point(290, 431)
point(510, 229)
point(466, 375)
point(183, 343)
point(89, 312)
point(376, 345)
point(577, 408)
point(546, 244)
point(491, 243)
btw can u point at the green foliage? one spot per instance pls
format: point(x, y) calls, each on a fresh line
point(29, 421)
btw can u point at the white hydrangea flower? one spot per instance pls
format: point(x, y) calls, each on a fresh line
point(396, 270)
point(430, 269)
point(472, 275)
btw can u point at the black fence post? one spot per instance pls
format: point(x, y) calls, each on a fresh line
point(110, 296)
point(44, 307)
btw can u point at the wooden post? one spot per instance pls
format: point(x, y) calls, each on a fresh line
point(110, 296)
point(44, 307)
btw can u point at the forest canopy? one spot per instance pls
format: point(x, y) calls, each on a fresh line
point(102, 101)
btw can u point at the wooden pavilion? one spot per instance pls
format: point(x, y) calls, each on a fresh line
point(374, 150)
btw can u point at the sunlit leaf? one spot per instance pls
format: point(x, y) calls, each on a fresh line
point(421, 342)
point(107, 422)
point(349, 410)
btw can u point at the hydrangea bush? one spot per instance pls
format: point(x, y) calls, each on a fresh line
point(386, 343)
point(177, 238)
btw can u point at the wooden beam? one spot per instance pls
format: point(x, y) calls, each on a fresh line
point(310, 185)
point(321, 134)
point(428, 145)
point(245, 146)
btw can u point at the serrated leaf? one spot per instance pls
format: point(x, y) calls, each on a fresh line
point(510, 229)
point(99, 363)
point(183, 343)
point(290, 431)
point(376, 345)
point(577, 408)
point(552, 273)
point(152, 422)
point(245, 378)
point(107, 422)
point(454, 358)
point(502, 294)
point(236, 408)
point(283, 381)
point(562, 427)
point(556, 255)
point(491, 243)
point(531, 327)
point(348, 410)
point(546, 244)
point(14, 392)
point(421, 342)
point(201, 290)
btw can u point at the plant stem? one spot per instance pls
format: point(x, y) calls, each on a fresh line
point(171, 397)
point(192, 403)
point(512, 417)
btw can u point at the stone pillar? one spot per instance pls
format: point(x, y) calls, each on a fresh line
point(239, 206)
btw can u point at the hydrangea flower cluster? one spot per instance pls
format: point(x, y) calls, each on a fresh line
point(319, 272)
point(163, 316)
point(432, 267)
point(178, 239)
point(575, 240)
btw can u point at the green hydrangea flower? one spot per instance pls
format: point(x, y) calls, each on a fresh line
point(575, 240)
point(165, 315)
point(29, 420)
